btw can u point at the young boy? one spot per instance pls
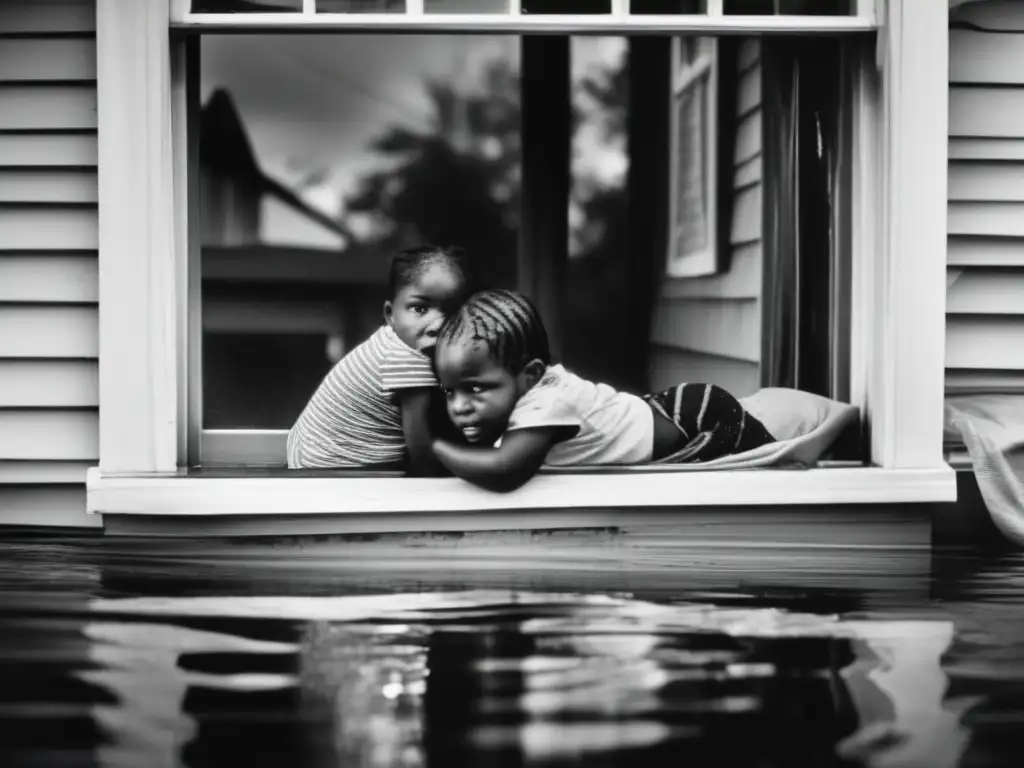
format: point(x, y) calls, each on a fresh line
point(371, 410)
point(517, 411)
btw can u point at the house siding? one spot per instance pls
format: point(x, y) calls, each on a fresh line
point(49, 346)
point(985, 279)
point(709, 328)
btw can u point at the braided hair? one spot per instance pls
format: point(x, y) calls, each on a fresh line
point(409, 264)
point(506, 322)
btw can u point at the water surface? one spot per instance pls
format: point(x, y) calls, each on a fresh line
point(307, 652)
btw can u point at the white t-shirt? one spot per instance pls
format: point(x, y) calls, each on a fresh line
point(612, 427)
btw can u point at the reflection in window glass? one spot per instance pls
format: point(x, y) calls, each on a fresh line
point(245, 6)
point(360, 6)
point(566, 6)
point(320, 157)
point(790, 7)
point(692, 146)
point(666, 7)
point(465, 6)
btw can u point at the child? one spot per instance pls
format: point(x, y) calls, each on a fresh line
point(493, 363)
point(371, 409)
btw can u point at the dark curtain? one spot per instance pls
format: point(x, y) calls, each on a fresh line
point(804, 245)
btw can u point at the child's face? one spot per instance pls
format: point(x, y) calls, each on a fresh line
point(480, 391)
point(420, 306)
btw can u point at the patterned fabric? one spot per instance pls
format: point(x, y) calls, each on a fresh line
point(353, 418)
point(711, 423)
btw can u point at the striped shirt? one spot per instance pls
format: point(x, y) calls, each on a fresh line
point(353, 419)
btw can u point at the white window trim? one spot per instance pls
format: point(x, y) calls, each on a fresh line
point(685, 76)
point(899, 314)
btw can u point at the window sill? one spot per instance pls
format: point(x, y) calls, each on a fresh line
point(583, 499)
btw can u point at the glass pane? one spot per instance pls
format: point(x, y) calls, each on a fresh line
point(666, 7)
point(465, 6)
point(320, 157)
point(246, 6)
point(691, 203)
point(360, 6)
point(789, 7)
point(567, 6)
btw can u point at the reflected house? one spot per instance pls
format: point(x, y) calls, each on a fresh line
point(276, 315)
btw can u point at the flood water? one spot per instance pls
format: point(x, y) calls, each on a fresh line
point(287, 652)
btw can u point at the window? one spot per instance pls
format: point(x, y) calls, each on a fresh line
point(145, 412)
point(693, 245)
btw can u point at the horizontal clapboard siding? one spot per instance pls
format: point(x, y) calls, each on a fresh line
point(985, 283)
point(49, 345)
point(709, 328)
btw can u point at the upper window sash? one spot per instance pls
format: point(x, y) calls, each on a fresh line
point(620, 20)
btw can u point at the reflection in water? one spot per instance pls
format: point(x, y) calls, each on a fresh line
point(435, 677)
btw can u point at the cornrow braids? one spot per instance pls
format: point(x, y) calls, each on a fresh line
point(409, 264)
point(506, 321)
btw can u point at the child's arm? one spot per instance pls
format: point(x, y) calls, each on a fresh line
point(516, 460)
point(419, 434)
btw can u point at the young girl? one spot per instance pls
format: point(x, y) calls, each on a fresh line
point(371, 410)
point(518, 411)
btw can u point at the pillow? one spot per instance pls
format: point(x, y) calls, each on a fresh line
point(788, 413)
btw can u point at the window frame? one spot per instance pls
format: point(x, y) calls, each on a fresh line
point(147, 266)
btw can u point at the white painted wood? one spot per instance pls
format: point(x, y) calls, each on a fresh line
point(984, 182)
point(985, 252)
point(48, 107)
point(48, 186)
point(37, 434)
point(276, 23)
point(48, 331)
point(671, 366)
point(749, 53)
point(865, 231)
point(34, 16)
point(993, 342)
point(910, 302)
point(986, 149)
point(57, 59)
point(727, 328)
point(981, 57)
point(44, 472)
point(48, 228)
point(747, 173)
point(748, 137)
point(53, 383)
point(138, 378)
point(747, 216)
point(18, 150)
point(742, 281)
point(989, 218)
point(748, 91)
point(46, 506)
point(244, 447)
point(993, 14)
point(574, 500)
point(48, 278)
point(987, 292)
point(980, 112)
point(972, 381)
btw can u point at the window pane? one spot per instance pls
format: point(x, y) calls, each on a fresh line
point(465, 6)
point(320, 157)
point(691, 203)
point(360, 6)
point(655, 7)
point(567, 6)
point(790, 7)
point(245, 6)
